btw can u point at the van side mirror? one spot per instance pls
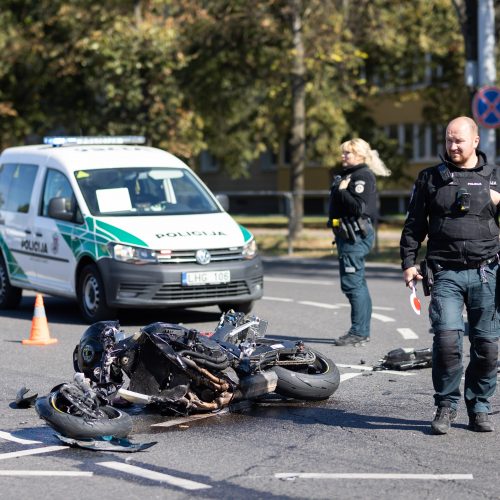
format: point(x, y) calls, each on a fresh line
point(60, 208)
point(223, 199)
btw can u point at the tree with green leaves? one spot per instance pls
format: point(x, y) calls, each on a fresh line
point(237, 77)
point(268, 72)
point(87, 67)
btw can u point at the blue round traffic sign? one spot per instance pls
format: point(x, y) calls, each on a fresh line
point(486, 107)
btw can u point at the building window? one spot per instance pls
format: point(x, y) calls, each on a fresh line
point(208, 163)
point(437, 139)
point(268, 161)
point(408, 139)
point(419, 142)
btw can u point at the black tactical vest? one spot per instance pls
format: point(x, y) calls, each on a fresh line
point(461, 209)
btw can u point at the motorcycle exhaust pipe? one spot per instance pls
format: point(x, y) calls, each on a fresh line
point(134, 397)
point(257, 385)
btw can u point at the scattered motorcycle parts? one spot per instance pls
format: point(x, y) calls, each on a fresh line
point(405, 358)
point(106, 443)
point(25, 398)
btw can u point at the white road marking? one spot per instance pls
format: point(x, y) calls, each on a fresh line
point(9, 437)
point(381, 317)
point(383, 308)
point(396, 372)
point(278, 299)
point(368, 368)
point(357, 367)
point(323, 475)
point(407, 333)
point(347, 376)
point(155, 476)
point(292, 280)
point(45, 473)
point(319, 304)
point(34, 451)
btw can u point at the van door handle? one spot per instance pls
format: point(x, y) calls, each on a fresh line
point(39, 235)
point(27, 231)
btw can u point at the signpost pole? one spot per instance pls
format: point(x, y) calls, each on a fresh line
point(486, 67)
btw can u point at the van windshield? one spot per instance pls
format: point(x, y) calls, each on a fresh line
point(142, 190)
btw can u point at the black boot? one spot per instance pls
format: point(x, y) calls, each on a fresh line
point(479, 422)
point(351, 339)
point(442, 420)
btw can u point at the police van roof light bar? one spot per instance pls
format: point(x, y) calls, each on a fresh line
point(57, 141)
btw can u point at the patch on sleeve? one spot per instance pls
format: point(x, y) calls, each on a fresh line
point(359, 187)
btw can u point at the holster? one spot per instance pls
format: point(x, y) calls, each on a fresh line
point(428, 277)
point(341, 230)
point(363, 225)
point(350, 228)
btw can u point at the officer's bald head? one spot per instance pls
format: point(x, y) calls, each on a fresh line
point(462, 140)
point(464, 121)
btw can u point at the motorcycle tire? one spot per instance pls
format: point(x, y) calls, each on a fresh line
point(113, 422)
point(309, 386)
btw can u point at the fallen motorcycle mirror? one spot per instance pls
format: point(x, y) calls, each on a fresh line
point(179, 372)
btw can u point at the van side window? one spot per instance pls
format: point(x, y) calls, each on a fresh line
point(57, 186)
point(16, 181)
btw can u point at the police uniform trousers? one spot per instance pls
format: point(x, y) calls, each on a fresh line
point(353, 282)
point(476, 289)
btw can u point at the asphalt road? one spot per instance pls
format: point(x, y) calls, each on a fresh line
point(371, 439)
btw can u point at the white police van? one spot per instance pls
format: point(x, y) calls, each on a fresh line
point(114, 224)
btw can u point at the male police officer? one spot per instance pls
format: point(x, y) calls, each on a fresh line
point(454, 204)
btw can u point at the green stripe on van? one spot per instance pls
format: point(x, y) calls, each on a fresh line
point(119, 234)
point(247, 235)
point(15, 270)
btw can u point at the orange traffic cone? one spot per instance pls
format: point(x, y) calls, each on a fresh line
point(39, 328)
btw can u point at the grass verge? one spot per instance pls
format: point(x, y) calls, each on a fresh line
point(315, 241)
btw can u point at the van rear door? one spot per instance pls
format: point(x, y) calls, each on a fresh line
point(18, 240)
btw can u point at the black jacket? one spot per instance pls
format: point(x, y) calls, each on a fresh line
point(360, 196)
point(457, 234)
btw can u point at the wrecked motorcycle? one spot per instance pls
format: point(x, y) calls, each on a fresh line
point(179, 371)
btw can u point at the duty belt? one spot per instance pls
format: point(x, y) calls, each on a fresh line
point(467, 265)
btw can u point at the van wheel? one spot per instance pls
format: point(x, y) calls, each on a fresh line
point(10, 296)
point(244, 307)
point(91, 296)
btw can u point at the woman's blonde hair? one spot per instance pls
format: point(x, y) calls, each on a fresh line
point(370, 156)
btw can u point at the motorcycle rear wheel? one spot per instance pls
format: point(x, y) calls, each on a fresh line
point(312, 383)
point(111, 422)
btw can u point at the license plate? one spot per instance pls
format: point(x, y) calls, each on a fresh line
point(206, 278)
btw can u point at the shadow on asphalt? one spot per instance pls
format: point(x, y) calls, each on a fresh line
point(296, 411)
point(339, 418)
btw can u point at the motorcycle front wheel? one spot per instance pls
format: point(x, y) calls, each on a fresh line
point(109, 422)
point(314, 382)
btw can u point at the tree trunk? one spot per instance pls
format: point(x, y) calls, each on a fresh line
point(297, 141)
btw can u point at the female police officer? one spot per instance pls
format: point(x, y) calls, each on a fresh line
point(353, 208)
point(454, 204)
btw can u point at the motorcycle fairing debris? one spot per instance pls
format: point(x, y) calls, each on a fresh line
point(106, 443)
point(25, 399)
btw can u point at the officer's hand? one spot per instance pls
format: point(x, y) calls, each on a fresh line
point(344, 183)
point(410, 275)
point(495, 197)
